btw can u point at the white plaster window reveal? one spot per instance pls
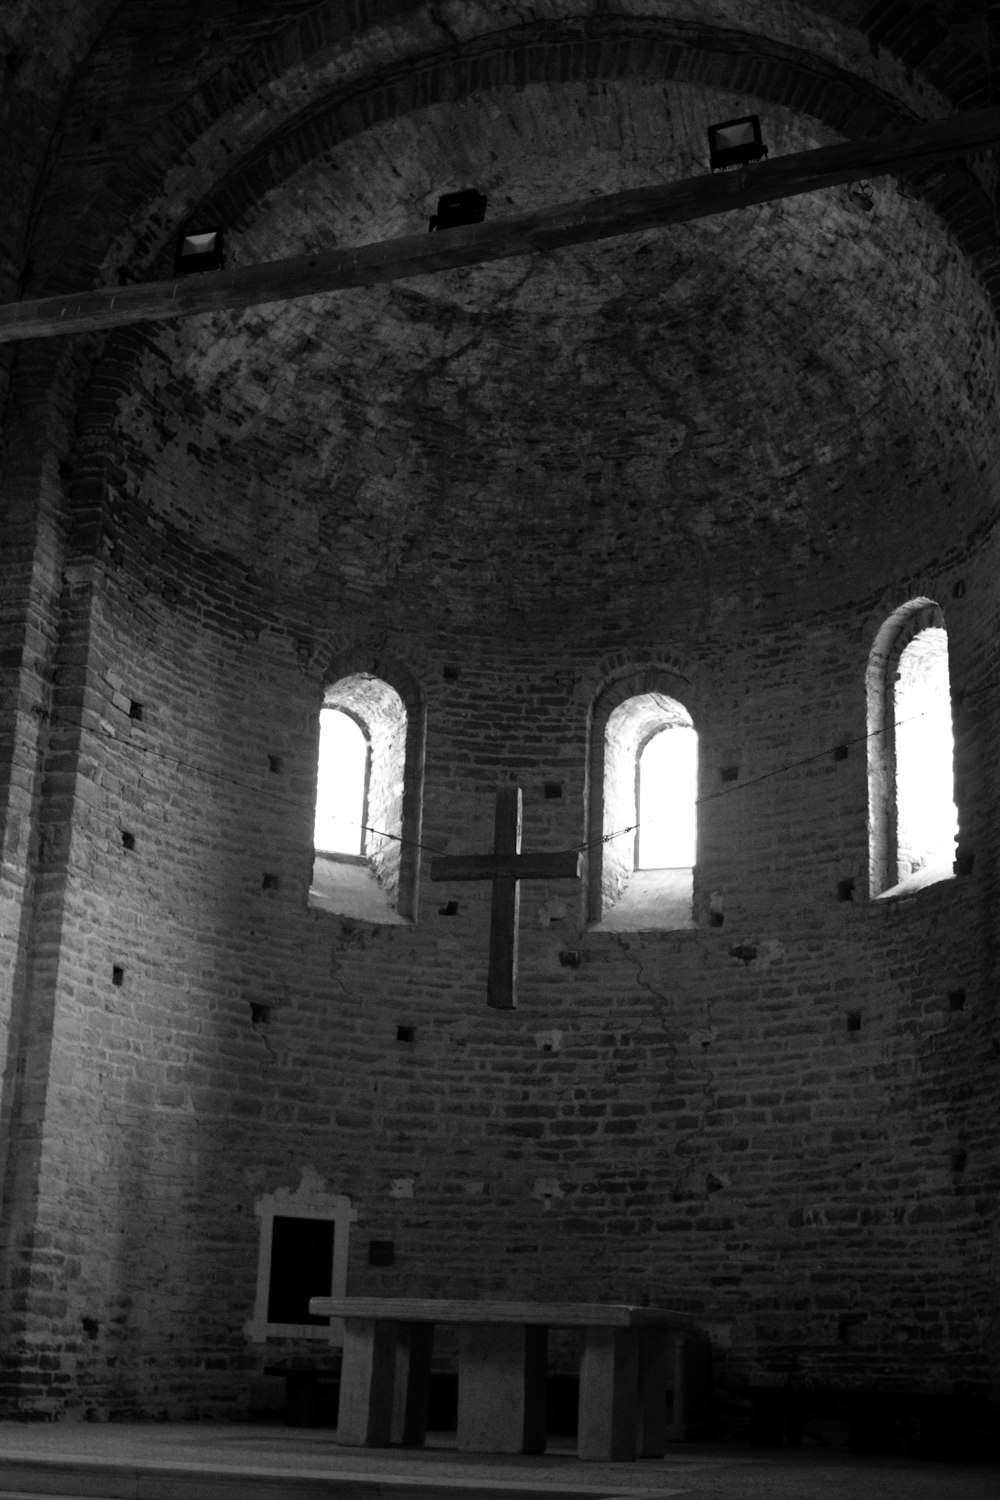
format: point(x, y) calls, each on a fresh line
point(913, 821)
point(312, 1205)
point(361, 860)
point(643, 814)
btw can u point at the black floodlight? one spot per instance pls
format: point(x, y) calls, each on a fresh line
point(199, 250)
point(735, 143)
point(455, 209)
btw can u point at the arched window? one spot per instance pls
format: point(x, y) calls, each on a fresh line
point(341, 784)
point(643, 798)
point(369, 763)
point(913, 823)
point(666, 799)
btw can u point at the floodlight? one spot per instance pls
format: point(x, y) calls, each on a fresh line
point(455, 209)
point(735, 143)
point(199, 250)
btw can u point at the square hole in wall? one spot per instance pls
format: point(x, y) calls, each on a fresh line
point(117, 974)
point(135, 711)
point(405, 1033)
point(553, 789)
point(271, 881)
point(128, 839)
point(381, 1252)
point(275, 765)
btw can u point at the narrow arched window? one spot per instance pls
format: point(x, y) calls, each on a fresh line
point(926, 817)
point(643, 810)
point(913, 822)
point(341, 784)
point(366, 831)
point(666, 800)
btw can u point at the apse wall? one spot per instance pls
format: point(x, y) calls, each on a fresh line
point(781, 1124)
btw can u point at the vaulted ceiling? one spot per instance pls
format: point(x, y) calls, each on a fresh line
point(736, 384)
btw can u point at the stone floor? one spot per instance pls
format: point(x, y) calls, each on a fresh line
point(209, 1461)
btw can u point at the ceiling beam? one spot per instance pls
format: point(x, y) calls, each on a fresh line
point(544, 229)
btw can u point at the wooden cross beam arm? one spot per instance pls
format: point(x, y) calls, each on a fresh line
point(586, 220)
point(560, 866)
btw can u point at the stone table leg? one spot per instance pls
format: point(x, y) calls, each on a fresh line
point(367, 1382)
point(656, 1352)
point(414, 1345)
point(501, 1389)
point(692, 1381)
point(609, 1394)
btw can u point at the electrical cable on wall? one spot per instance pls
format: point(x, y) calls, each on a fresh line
point(430, 848)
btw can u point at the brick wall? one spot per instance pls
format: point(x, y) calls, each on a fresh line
point(710, 1129)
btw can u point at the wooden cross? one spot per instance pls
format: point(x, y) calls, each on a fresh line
point(505, 867)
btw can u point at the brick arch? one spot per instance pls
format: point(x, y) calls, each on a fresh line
point(636, 702)
point(572, 47)
point(396, 860)
point(246, 61)
point(597, 48)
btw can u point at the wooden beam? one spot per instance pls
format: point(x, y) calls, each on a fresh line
point(545, 229)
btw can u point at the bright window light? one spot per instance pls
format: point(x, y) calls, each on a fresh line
point(340, 786)
point(926, 817)
point(668, 790)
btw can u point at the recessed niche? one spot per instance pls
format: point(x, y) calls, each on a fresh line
point(303, 1253)
point(260, 1014)
point(450, 674)
point(381, 1252)
point(405, 1033)
point(854, 1020)
point(553, 789)
point(135, 711)
point(845, 889)
point(274, 765)
point(301, 1267)
point(128, 839)
point(449, 909)
point(271, 882)
point(958, 1160)
point(117, 974)
point(956, 999)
